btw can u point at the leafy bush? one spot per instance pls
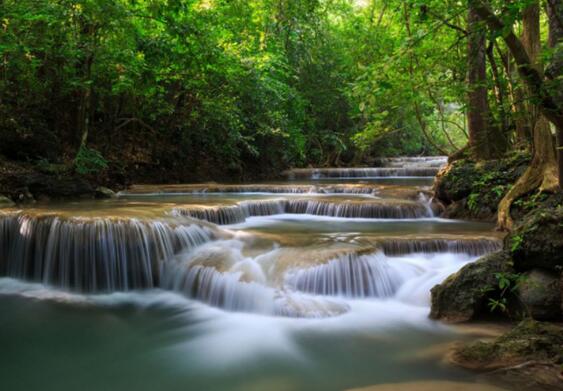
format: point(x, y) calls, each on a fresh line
point(89, 161)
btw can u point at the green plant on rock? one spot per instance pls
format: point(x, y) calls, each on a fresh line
point(89, 161)
point(516, 242)
point(507, 284)
point(473, 201)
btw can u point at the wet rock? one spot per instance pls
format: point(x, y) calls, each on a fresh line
point(463, 296)
point(104, 192)
point(541, 295)
point(528, 357)
point(5, 202)
point(537, 240)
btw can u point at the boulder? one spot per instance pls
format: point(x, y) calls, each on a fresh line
point(537, 240)
point(540, 294)
point(104, 192)
point(58, 186)
point(464, 295)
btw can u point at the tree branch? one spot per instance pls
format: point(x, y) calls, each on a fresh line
point(527, 71)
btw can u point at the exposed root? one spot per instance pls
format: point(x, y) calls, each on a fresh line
point(542, 174)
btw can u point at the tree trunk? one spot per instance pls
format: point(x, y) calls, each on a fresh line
point(478, 113)
point(542, 171)
point(546, 100)
point(555, 69)
point(531, 42)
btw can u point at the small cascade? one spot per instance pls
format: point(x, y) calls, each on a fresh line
point(224, 214)
point(425, 161)
point(263, 208)
point(473, 247)
point(380, 209)
point(369, 210)
point(352, 275)
point(371, 172)
point(219, 274)
point(94, 255)
point(224, 290)
point(426, 166)
point(147, 190)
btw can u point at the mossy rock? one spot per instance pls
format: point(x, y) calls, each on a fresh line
point(529, 340)
point(540, 294)
point(464, 295)
point(473, 190)
point(537, 240)
point(104, 192)
point(527, 358)
point(5, 202)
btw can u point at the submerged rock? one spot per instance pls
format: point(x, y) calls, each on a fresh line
point(540, 294)
point(537, 241)
point(463, 296)
point(527, 357)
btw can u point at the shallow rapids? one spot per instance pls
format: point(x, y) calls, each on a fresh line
point(319, 283)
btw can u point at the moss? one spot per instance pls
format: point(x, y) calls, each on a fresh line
point(537, 240)
point(473, 190)
point(465, 295)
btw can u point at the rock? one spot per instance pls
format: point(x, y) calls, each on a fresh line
point(527, 357)
point(541, 295)
point(5, 202)
point(104, 192)
point(472, 190)
point(455, 181)
point(431, 385)
point(537, 240)
point(463, 296)
point(58, 187)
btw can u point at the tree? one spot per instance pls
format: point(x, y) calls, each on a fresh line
point(542, 171)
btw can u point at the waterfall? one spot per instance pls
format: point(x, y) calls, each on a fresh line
point(375, 210)
point(224, 214)
point(220, 275)
point(386, 167)
point(380, 209)
point(470, 246)
point(91, 254)
point(352, 275)
point(426, 161)
point(371, 172)
point(148, 190)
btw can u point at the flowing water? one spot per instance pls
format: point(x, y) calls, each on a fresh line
point(320, 282)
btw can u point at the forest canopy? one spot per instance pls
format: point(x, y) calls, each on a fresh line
point(231, 88)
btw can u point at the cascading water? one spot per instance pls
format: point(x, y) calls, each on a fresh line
point(380, 209)
point(91, 255)
point(352, 276)
point(390, 167)
point(356, 258)
point(470, 246)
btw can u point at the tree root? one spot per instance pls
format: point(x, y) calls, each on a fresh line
point(542, 174)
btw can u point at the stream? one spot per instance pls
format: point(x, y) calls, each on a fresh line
point(318, 282)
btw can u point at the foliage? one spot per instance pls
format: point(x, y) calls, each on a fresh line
point(507, 285)
point(238, 85)
point(89, 161)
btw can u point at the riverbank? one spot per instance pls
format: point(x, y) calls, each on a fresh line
point(523, 281)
